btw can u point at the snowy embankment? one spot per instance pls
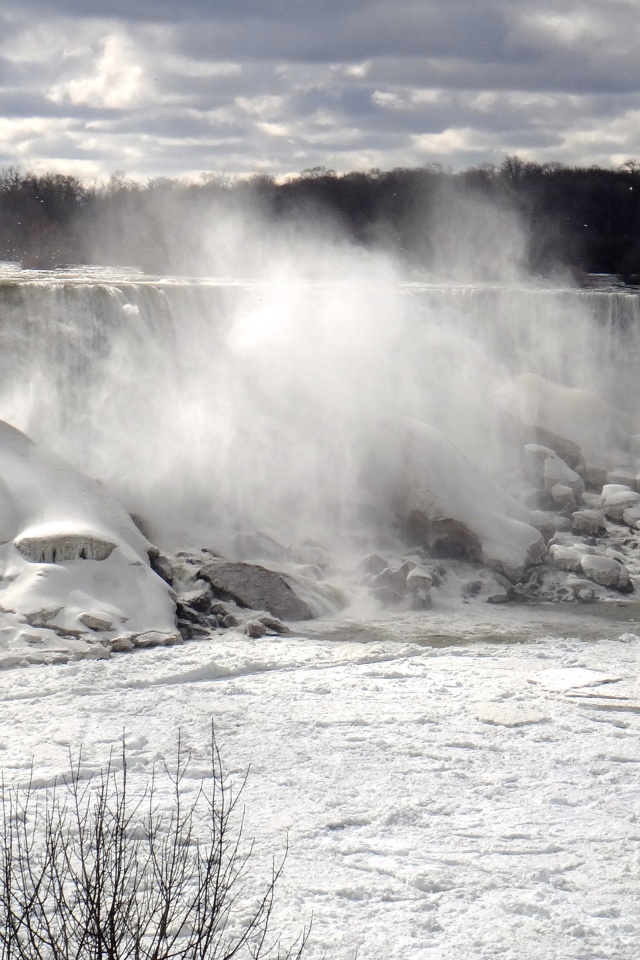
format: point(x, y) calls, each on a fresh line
point(75, 578)
point(464, 801)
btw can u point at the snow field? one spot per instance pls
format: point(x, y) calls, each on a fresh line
point(474, 801)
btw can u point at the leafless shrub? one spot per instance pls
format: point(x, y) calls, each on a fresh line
point(88, 872)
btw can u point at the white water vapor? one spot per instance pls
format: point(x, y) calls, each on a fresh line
point(253, 400)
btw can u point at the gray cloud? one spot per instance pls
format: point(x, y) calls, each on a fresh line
point(243, 85)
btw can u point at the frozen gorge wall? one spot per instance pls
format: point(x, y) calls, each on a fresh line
point(209, 406)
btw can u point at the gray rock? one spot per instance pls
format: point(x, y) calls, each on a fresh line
point(40, 618)
point(419, 578)
point(230, 620)
point(566, 558)
point(623, 475)
point(154, 638)
point(387, 596)
point(254, 629)
point(373, 564)
point(471, 588)
point(631, 517)
point(595, 476)
point(256, 587)
point(588, 521)
point(563, 495)
point(420, 599)
point(198, 599)
point(569, 451)
point(161, 565)
point(394, 577)
point(444, 538)
point(122, 644)
point(582, 590)
point(95, 622)
point(618, 498)
point(605, 571)
point(274, 625)
point(548, 469)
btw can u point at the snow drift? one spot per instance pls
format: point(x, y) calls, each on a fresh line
point(75, 574)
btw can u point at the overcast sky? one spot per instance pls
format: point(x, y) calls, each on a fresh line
point(176, 87)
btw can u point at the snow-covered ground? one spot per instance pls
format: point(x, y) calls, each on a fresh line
point(449, 789)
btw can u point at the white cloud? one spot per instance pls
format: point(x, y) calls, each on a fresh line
point(114, 80)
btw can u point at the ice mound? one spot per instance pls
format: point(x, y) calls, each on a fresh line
point(445, 500)
point(75, 578)
point(599, 429)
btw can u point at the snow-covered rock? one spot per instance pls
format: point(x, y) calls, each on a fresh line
point(566, 558)
point(588, 521)
point(430, 480)
point(550, 470)
point(617, 498)
point(563, 496)
point(73, 566)
point(605, 571)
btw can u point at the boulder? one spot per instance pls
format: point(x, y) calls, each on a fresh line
point(447, 538)
point(563, 496)
point(373, 564)
point(605, 571)
point(426, 484)
point(548, 469)
point(583, 590)
point(595, 476)
point(254, 629)
point(95, 621)
point(632, 516)
point(570, 452)
point(590, 522)
point(161, 565)
point(566, 558)
point(623, 475)
point(617, 498)
point(256, 587)
point(393, 576)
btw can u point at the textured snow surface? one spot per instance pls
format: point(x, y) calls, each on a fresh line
point(456, 801)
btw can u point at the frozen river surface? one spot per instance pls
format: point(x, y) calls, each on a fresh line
point(441, 798)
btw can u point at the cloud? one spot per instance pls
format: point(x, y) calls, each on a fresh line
point(166, 88)
point(115, 78)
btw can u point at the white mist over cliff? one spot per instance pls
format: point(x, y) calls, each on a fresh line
point(216, 407)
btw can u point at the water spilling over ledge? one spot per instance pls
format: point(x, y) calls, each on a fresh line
point(310, 424)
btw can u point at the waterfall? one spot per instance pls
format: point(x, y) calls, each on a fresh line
point(202, 404)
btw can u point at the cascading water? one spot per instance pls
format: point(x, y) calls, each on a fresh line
point(212, 408)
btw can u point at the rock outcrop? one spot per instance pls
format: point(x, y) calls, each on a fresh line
point(255, 587)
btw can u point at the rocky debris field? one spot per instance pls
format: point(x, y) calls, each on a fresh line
point(588, 518)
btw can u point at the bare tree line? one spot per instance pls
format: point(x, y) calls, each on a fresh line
point(587, 218)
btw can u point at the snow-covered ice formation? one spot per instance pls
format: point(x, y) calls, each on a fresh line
point(74, 569)
point(432, 481)
point(578, 415)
